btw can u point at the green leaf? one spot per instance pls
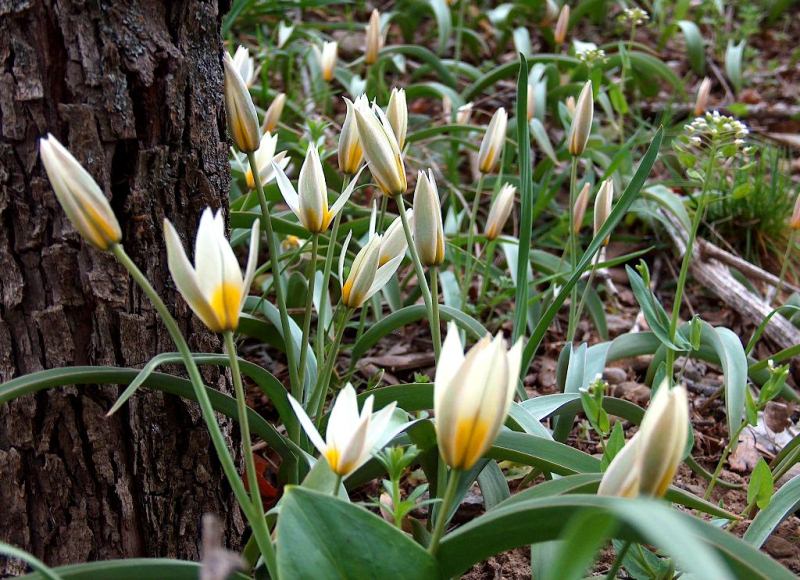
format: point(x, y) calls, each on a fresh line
point(619, 210)
point(44, 570)
point(734, 54)
point(733, 361)
point(320, 536)
point(537, 451)
point(697, 546)
point(694, 46)
point(132, 569)
point(784, 503)
point(584, 535)
point(526, 205)
point(508, 70)
point(422, 54)
point(407, 315)
point(441, 11)
point(760, 488)
point(494, 487)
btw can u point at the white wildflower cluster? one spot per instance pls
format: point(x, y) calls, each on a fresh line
point(713, 132)
point(592, 56)
point(634, 16)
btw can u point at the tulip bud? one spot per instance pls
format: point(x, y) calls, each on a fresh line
point(245, 65)
point(397, 113)
point(394, 242)
point(81, 198)
point(602, 206)
point(464, 114)
point(582, 121)
point(493, 141)
point(701, 102)
point(326, 58)
point(648, 462)
point(499, 212)
point(560, 33)
point(531, 101)
point(273, 114)
point(310, 205)
point(241, 112)
point(550, 12)
point(570, 104)
point(366, 275)
point(214, 287)
point(581, 203)
point(428, 228)
point(374, 38)
point(472, 395)
point(265, 156)
point(351, 154)
point(284, 33)
point(794, 222)
point(380, 148)
point(351, 437)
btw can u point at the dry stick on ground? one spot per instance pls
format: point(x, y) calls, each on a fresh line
point(709, 250)
point(714, 275)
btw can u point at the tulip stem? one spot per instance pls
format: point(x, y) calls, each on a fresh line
point(436, 329)
point(588, 287)
point(459, 30)
point(615, 567)
point(423, 283)
point(322, 329)
point(337, 485)
point(309, 304)
point(687, 259)
point(725, 452)
point(257, 522)
point(444, 508)
point(473, 218)
point(573, 249)
point(382, 214)
point(296, 386)
point(317, 401)
point(247, 445)
point(490, 247)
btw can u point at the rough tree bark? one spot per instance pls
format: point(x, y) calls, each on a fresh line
point(134, 90)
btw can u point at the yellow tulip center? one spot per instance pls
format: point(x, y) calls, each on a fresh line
point(468, 443)
point(225, 303)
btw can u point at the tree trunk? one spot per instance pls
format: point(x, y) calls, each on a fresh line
point(133, 89)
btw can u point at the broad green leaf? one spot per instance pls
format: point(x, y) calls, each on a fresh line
point(494, 487)
point(131, 569)
point(424, 55)
point(694, 46)
point(784, 503)
point(543, 453)
point(760, 488)
point(697, 546)
point(43, 569)
point(734, 55)
point(584, 535)
point(441, 11)
point(320, 536)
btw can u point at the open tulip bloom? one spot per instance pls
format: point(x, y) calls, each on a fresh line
point(350, 438)
point(265, 157)
point(214, 288)
point(311, 204)
point(472, 395)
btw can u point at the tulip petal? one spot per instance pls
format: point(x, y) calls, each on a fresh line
point(252, 260)
point(383, 275)
point(308, 425)
point(287, 190)
point(450, 360)
point(343, 255)
point(339, 203)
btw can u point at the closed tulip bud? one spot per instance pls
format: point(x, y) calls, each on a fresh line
point(351, 153)
point(214, 287)
point(493, 141)
point(464, 114)
point(472, 395)
point(381, 148)
point(284, 33)
point(241, 112)
point(79, 195)
point(701, 102)
point(602, 206)
point(326, 59)
point(579, 211)
point(394, 242)
point(570, 104)
point(648, 462)
point(560, 33)
point(367, 275)
point(794, 222)
point(582, 121)
point(531, 102)
point(428, 228)
point(265, 157)
point(374, 38)
point(350, 438)
point(397, 113)
point(499, 212)
point(550, 11)
point(310, 205)
point(274, 112)
point(245, 64)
